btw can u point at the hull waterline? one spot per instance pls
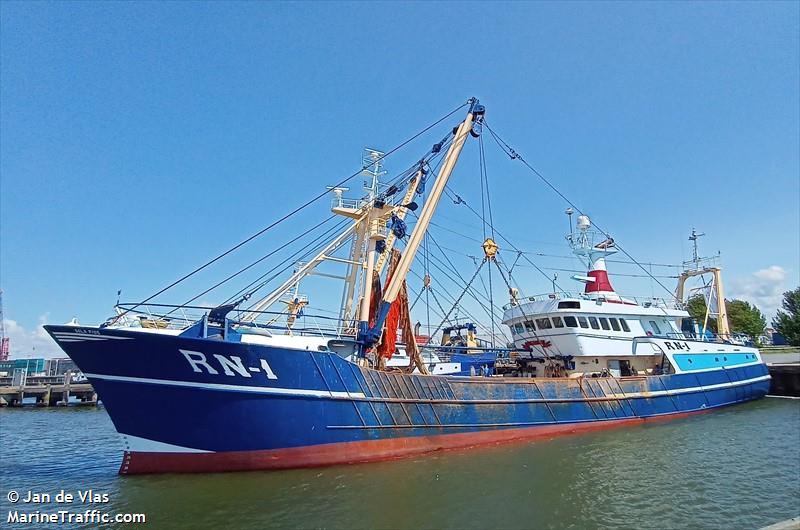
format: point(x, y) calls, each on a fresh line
point(362, 452)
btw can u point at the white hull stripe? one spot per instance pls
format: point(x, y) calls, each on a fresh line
point(87, 336)
point(73, 337)
point(230, 388)
point(79, 338)
point(689, 390)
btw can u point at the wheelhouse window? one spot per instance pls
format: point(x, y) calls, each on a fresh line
point(582, 321)
point(624, 325)
point(519, 328)
point(543, 323)
point(570, 322)
point(614, 324)
point(604, 323)
point(655, 327)
point(557, 322)
point(570, 304)
point(593, 322)
point(529, 326)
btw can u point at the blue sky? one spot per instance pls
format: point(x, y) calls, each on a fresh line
point(139, 139)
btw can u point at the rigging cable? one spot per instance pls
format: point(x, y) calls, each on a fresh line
point(416, 298)
point(542, 343)
point(253, 264)
point(428, 256)
point(562, 269)
point(435, 298)
point(399, 179)
point(483, 283)
point(462, 201)
point(583, 271)
point(291, 260)
point(449, 297)
point(293, 212)
point(485, 191)
point(545, 255)
point(455, 304)
point(455, 271)
point(472, 292)
point(514, 155)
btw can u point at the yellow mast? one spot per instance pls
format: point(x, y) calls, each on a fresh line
point(723, 328)
point(692, 268)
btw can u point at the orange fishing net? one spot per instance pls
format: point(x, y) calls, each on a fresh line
point(399, 317)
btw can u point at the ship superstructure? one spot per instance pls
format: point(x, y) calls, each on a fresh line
point(596, 328)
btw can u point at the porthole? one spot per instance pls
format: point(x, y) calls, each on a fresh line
point(716, 359)
point(724, 358)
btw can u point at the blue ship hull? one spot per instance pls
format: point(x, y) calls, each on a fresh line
point(194, 404)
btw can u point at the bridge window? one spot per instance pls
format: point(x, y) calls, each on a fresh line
point(604, 323)
point(614, 324)
point(557, 322)
point(569, 305)
point(571, 322)
point(624, 325)
point(655, 327)
point(543, 323)
point(582, 321)
point(593, 322)
point(519, 328)
point(529, 326)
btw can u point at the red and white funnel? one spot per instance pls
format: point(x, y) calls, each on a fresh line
point(584, 244)
point(598, 278)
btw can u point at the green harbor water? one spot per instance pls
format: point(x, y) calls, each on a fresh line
point(737, 467)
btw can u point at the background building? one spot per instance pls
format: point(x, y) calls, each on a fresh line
point(60, 366)
point(31, 366)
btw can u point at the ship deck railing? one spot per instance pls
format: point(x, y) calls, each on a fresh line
point(711, 338)
point(349, 204)
point(643, 301)
point(175, 317)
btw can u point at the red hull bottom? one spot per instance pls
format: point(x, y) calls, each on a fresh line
point(356, 452)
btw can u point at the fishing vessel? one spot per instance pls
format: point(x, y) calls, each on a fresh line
point(240, 387)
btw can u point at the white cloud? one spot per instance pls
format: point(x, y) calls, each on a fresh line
point(30, 343)
point(774, 274)
point(764, 288)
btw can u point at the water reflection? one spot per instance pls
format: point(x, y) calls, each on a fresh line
point(737, 467)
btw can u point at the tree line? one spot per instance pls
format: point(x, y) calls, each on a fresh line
point(746, 318)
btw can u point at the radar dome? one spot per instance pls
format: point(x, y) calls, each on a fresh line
point(583, 222)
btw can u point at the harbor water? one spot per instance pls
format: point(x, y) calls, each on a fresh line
point(737, 467)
